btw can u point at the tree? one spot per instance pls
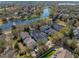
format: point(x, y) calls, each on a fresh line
point(26, 55)
point(76, 55)
point(15, 34)
point(71, 43)
point(42, 47)
point(2, 45)
point(15, 44)
point(1, 50)
point(76, 52)
point(26, 29)
point(0, 31)
point(13, 27)
point(71, 34)
point(24, 52)
point(50, 38)
point(65, 30)
point(53, 11)
point(38, 27)
point(56, 37)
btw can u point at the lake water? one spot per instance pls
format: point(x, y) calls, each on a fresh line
point(10, 23)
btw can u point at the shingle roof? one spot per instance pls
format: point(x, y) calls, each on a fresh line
point(39, 36)
point(47, 30)
point(28, 40)
point(76, 32)
point(57, 26)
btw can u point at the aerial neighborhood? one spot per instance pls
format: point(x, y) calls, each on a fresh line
point(35, 29)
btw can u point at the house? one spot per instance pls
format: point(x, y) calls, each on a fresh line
point(76, 32)
point(50, 31)
point(39, 36)
point(7, 31)
point(8, 34)
point(28, 41)
point(2, 37)
point(22, 48)
point(55, 17)
point(47, 29)
point(33, 53)
point(9, 37)
point(49, 44)
point(57, 27)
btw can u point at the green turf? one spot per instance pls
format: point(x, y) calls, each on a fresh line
point(50, 54)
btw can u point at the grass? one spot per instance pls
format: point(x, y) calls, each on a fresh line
point(61, 22)
point(50, 54)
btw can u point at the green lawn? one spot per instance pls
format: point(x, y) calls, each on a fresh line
point(50, 54)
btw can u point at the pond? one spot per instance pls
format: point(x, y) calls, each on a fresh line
point(10, 23)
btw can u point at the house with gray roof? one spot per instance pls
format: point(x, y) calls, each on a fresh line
point(76, 33)
point(28, 41)
point(39, 36)
point(47, 29)
point(57, 27)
